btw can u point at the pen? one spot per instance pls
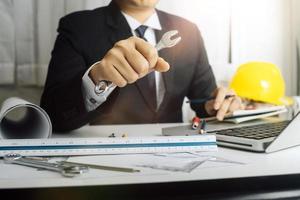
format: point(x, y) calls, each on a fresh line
point(206, 99)
point(103, 167)
point(203, 126)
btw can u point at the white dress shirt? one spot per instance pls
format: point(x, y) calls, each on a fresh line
point(93, 100)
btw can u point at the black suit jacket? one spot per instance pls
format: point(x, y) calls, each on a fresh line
point(85, 37)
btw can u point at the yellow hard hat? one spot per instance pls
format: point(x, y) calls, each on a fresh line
point(260, 81)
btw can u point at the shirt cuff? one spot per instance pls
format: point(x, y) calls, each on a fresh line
point(91, 99)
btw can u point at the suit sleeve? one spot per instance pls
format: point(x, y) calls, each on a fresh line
point(203, 83)
point(62, 97)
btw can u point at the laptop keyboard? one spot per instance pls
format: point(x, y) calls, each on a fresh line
point(257, 132)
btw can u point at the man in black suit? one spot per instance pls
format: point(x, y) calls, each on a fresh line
point(115, 44)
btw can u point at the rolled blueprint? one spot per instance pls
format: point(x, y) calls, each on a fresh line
point(20, 119)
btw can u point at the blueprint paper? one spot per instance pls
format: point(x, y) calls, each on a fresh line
point(20, 119)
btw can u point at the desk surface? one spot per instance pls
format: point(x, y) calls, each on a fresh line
point(279, 164)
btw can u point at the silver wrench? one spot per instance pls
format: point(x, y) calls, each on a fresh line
point(167, 40)
point(65, 170)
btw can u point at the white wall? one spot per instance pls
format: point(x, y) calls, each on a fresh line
point(238, 31)
point(213, 20)
point(262, 31)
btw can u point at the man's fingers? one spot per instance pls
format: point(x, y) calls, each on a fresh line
point(223, 109)
point(220, 96)
point(222, 92)
point(161, 65)
point(123, 67)
point(209, 107)
point(138, 62)
point(117, 59)
point(229, 105)
point(128, 61)
point(222, 105)
point(114, 76)
point(236, 104)
point(147, 50)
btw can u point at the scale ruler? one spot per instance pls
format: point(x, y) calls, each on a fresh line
point(94, 146)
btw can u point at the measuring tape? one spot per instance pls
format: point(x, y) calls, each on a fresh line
point(93, 146)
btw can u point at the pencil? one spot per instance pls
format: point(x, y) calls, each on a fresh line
point(206, 99)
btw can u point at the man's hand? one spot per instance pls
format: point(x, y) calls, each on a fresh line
point(221, 105)
point(128, 61)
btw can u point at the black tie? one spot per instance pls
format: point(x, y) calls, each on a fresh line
point(140, 31)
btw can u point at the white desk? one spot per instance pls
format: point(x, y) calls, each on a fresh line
point(257, 164)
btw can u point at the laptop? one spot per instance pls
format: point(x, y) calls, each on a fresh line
point(266, 137)
point(259, 137)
